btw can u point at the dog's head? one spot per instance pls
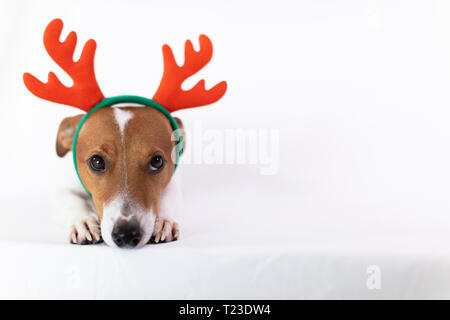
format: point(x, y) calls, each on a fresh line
point(124, 158)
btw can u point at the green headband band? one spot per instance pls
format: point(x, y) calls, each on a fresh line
point(108, 102)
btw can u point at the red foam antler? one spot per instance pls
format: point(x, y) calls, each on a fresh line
point(85, 92)
point(170, 94)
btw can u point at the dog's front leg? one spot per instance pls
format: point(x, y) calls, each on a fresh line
point(76, 211)
point(166, 228)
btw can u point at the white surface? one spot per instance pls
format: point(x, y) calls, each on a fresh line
point(359, 93)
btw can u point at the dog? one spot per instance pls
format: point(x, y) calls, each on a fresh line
point(125, 156)
point(129, 171)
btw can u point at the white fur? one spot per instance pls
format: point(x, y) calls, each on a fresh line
point(122, 117)
point(71, 205)
point(112, 213)
point(76, 213)
point(169, 207)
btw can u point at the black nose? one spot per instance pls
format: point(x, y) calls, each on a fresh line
point(126, 234)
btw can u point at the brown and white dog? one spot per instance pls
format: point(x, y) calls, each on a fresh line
point(123, 154)
point(124, 160)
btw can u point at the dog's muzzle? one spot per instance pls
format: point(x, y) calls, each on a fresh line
point(126, 234)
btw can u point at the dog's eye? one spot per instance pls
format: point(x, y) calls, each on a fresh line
point(156, 164)
point(97, 163)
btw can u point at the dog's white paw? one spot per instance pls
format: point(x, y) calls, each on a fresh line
point(165, 230)
point(85, 230)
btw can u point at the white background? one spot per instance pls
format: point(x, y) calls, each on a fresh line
point(359, 91)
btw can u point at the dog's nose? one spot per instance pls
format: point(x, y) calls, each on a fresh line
point(126, 234)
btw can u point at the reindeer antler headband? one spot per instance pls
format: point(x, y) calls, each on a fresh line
point(85, 94)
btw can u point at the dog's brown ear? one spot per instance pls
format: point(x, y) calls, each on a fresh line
point(183, 136)
point(65, 135)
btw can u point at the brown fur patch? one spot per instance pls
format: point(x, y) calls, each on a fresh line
point(64, 137)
